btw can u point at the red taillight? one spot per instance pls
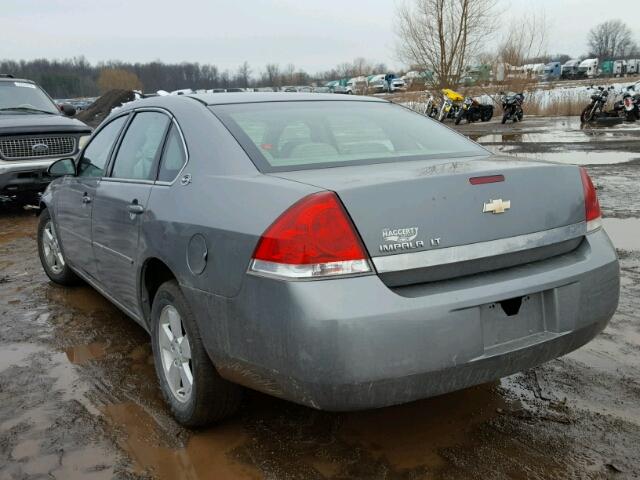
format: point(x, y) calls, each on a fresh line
point(313, 238)
point(591, 204)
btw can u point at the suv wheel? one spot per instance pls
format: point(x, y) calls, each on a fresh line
point(50, 252)
point(195, 392)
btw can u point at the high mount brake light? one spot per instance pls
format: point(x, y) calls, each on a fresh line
point(593, 215)
point(486, 179)
point(314, 238)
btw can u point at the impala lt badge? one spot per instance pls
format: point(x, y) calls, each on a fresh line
point(497, 206)
point(403, 239)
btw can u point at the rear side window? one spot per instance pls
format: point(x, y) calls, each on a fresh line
point(140, 148)
point(173, 158)
point(318, 134)
point(95, 156)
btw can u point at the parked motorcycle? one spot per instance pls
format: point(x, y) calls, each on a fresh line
point(472, 111)
point(629, 106)
point(450, 104)
point(512, 107)
point(428, 106)
point(597, 105)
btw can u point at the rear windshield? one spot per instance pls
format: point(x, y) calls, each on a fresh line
point(283, 136)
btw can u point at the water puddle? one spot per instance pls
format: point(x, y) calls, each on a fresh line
point(571, 136)
point(15, 354)
point(18, 227)
point(573, 157)
point(80, 354)
point(413, 434)
point(206, 455)
point(81, 299)
point(624, 232)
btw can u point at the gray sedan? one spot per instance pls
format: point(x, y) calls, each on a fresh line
point(340, 252)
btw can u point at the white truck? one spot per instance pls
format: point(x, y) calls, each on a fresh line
point(589, 67)
point(633, 66)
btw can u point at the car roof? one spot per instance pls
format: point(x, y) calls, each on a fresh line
point(259, 97)
point(11, 79)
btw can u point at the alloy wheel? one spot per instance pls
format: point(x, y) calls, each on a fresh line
point(175, 353)
point(51, 249)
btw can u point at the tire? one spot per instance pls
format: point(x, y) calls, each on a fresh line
point(505, 117)
point(458, 119)
point(210, 398)
point(51, 254)
point(586, 115)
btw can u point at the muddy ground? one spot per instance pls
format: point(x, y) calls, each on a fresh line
point(79, 397)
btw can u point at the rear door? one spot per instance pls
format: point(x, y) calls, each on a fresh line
point(120, 205)
point(74, 201)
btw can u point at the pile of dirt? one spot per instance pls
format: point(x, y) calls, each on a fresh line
point(100, 109)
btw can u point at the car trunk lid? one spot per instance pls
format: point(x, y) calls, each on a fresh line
point(519, 211)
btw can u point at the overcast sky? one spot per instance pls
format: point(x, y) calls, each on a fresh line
point(314, 35)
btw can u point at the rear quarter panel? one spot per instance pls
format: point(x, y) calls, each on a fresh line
point(227, 201)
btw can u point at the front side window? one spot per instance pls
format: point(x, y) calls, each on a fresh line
point(24, 97)
point(95, 156)
point(319, 134)
point(173, 157)
point(141, 146)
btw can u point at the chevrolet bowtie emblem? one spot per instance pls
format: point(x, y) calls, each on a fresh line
point(497, 206)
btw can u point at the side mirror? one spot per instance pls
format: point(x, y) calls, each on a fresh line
point(62, 168)
point(68, 109)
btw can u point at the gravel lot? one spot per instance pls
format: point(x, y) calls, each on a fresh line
point(79, 397)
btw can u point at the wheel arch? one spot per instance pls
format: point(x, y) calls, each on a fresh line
point(46, 202)
point(154, 272)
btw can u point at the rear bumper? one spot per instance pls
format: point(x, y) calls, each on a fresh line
point(354, 343)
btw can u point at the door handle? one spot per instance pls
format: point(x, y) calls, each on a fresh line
point(135, 209)
point(86, 198)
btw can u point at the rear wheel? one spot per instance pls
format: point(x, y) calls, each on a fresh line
point(50, 252)
point(197, 395)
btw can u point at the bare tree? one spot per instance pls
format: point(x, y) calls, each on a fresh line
point(244, 74)
point(611, 39)
point(528, 41)
point(289, 74)
point(443, 35)
point(272, 74)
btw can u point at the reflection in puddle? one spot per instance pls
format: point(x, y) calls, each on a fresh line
point(84, 299)
point(624, 232)
point(413, 434)
point(571, 157)
point(82, 353)
point(204, 457)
